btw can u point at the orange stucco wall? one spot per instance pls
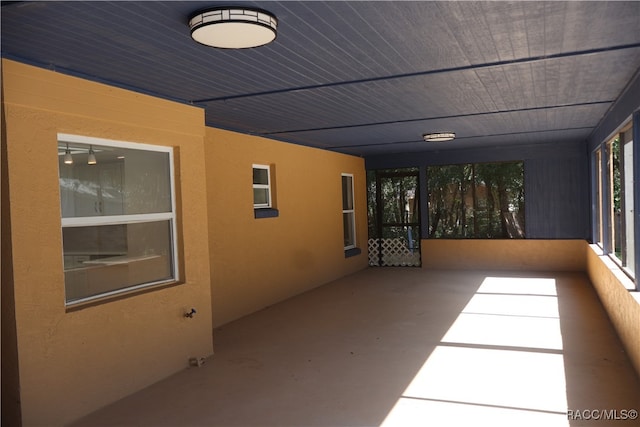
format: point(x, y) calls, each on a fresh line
point(257, 262)
point(73, 362)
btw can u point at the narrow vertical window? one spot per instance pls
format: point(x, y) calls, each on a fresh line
point(348, 212)
point(619, 230)
point(261, 186)
point(599, 205)
point(627, 182)
point(615, 191)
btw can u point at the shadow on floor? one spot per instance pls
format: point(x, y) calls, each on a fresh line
point(400, 347)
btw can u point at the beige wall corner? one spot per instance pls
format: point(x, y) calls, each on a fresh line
point(73, 362)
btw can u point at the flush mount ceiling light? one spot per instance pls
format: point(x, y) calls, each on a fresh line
point(233, 27)
point(439, 136)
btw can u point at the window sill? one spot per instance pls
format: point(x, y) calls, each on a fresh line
point(622, 274)
point(348, 253)
point(108, 297)
point(265, 213)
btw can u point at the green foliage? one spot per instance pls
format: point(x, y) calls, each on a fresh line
point(398, 197)
point(484, 200)
point(617, 186)
point(481, 200)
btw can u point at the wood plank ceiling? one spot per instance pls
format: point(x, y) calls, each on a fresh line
point(365, 77)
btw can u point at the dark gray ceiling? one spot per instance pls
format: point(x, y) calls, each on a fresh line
point(365, 77)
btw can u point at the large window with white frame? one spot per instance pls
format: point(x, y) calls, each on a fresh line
point(348, 212)
point(118, 211)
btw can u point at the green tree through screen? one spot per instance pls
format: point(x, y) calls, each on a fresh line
point(480, 200)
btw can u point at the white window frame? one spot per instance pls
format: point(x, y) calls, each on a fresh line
point(266, 186)
point(604, 178)
point(352, 211)
point(128, 219)
point(626, 263)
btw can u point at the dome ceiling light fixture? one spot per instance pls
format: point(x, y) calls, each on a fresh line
point(439, 136)
point(233, 27)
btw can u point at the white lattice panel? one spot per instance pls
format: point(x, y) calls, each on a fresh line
point(373, 252)
point(395, 253)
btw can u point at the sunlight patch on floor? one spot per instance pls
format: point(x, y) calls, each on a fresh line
point(499, 363)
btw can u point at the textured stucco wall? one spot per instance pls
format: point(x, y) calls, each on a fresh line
point(10, 380)
point(516, 254)
point(257, 262)
point(622, 306)
point(73, 362)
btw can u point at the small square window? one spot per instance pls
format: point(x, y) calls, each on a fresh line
point(348, 212)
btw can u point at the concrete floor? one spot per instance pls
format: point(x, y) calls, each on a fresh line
point(403, 347)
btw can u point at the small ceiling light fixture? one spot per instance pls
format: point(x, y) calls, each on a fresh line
point(68, 158)
point(439, 136)
point(233, 27)
point(91, 160)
